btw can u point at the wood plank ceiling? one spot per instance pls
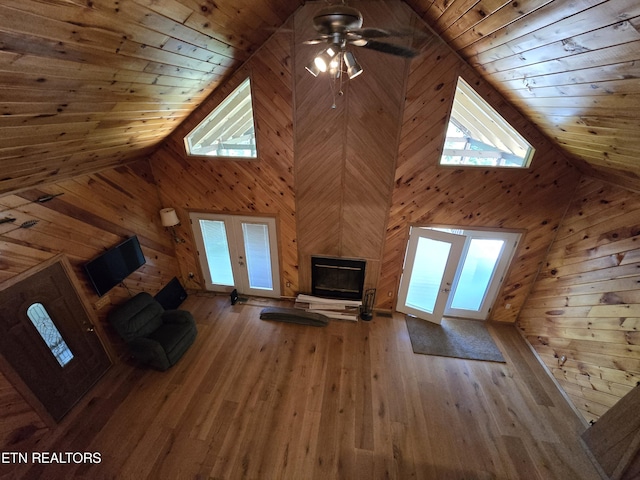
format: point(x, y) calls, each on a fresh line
point(88, 84)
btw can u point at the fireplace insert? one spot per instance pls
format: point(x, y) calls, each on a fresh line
point(340, 278)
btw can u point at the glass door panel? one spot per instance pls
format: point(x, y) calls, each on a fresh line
point(216, 247)
point(477, 271)
point(256, 243)
point(430, 265)
point(40, 319)
point(424, 283)
point(485, 259)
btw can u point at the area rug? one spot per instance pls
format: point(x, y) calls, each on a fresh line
point(458, 338)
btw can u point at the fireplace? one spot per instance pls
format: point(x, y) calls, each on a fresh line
point(334, 277)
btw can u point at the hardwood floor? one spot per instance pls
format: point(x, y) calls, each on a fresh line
point(268, 400)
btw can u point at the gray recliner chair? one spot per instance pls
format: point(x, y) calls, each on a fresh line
point(155, 336)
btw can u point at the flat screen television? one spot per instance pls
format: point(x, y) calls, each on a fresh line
point(113, 266)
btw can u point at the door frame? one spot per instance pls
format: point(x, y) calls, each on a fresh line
point(5, 366)
point(494, 292)
point(274, 244)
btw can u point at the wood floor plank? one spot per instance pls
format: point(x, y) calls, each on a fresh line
point(259, 399)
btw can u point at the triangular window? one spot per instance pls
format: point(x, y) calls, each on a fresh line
point(229, 130)
point(478, 136)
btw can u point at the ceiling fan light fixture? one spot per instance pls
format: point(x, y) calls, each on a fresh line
point(313, 69)
point(335, 67)
point(323, 60)
point(353, 67)
point(353, 72)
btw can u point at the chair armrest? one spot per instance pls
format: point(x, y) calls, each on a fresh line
point(150, 352)
point(177, 316)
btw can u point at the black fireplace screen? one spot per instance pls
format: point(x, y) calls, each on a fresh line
point(341, 278)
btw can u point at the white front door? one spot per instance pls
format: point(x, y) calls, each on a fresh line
point(454, 272)
point(238, 252)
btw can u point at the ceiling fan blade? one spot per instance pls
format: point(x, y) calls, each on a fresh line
point(389, 48)
point(316, 41)
point(386, 32)
point(370, 33)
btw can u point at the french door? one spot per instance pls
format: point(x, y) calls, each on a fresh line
point(453, 272)
point(238, 252)
point(429, 268)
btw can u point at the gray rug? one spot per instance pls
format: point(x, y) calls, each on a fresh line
point(454, 337)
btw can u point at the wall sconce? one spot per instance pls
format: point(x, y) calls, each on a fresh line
point(169, 220)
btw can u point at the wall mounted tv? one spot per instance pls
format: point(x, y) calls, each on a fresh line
point(113, 266)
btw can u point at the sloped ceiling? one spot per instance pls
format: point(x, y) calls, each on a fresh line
point(88, 84)
point(572, 67)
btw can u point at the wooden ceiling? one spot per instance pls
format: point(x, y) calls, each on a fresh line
point(88, 84)
point(572, 67)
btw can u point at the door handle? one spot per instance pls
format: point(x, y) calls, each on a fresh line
point(90, 328)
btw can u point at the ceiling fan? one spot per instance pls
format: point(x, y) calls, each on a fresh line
point(340, 27)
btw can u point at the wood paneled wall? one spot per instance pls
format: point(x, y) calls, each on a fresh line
point(585, 305)
point(259, 187)
point(351, 196)
point(530, 200)
point(345, 156)
point(94, 213)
